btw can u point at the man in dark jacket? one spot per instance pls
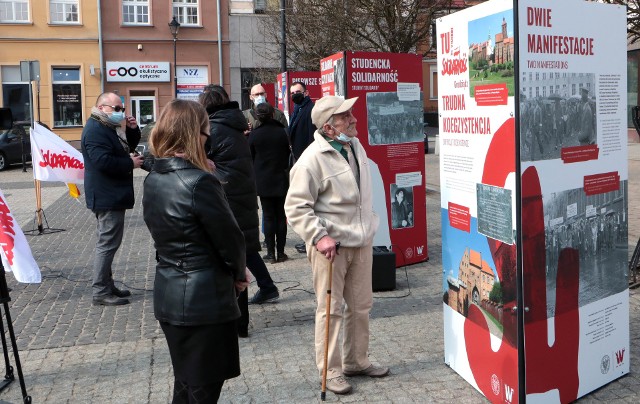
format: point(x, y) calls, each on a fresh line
point(301, 128)
point(108, 184)
point(229, 149)
point(258, 95)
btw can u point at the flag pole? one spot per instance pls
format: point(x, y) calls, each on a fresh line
point(39, 206)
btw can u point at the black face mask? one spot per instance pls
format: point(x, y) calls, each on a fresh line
point(297, 98)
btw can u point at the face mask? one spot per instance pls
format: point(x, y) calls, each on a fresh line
point(259, 100)
point(116, 117)
point(342, 137)
point(297, 98)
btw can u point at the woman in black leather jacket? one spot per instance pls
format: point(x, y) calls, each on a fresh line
point(201, 255)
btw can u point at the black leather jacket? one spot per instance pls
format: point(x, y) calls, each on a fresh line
point(200, 248)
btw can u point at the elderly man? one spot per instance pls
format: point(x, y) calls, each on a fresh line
point(258, 95)
point(330, 202)
point(108, 183)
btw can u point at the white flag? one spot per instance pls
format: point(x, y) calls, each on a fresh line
point(14, 249)
point(53, 159)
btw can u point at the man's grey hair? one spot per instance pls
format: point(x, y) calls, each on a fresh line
point(321, 129)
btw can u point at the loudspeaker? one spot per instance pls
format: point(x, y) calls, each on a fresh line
point(384, 269)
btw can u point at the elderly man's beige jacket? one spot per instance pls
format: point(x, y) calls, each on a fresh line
point(324, 198)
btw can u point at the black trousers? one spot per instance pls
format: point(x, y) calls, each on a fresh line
point(275, 223)
point(259, 271)
point(185, 394)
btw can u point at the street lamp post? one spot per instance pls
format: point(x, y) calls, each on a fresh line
point(174, 26)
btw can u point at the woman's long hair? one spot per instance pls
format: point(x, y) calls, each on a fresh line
point(178, 131)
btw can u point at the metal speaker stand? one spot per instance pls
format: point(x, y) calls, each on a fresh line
point(9, 376)
point(41, 228)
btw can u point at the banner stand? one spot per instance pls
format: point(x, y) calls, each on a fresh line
point(9, 376)
point(40, 228)
point(39, 215)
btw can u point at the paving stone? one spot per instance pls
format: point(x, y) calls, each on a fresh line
point(72, 351)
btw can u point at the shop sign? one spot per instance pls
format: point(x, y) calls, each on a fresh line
point(138, 72)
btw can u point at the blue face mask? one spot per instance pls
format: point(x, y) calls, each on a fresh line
point(342, 137)
point(259, 100)
point(116, 117)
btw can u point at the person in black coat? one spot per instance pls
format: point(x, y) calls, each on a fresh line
point(229, 150)
point(270, 151)
point(301, 129)
point(108, 187)
point(200, 252)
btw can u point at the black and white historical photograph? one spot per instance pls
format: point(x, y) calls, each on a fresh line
point(494, 212)
point(401, 207)
point(339, 77)
point(596, 226)
point(556, 110)
point(391, 121)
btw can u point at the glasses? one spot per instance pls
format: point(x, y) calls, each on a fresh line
point(257, 94)
point(116, 108)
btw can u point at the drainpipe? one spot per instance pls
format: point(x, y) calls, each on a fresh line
point(100, 47)
point(219, 44)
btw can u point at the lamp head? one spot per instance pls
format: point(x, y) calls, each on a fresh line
point(174, 26)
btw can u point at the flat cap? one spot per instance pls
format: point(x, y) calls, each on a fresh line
point(330, 105)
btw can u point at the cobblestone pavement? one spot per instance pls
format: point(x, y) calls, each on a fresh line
point(73, 352)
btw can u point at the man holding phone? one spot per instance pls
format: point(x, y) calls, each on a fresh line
point(109, 160)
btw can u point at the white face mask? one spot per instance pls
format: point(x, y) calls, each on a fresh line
point(259, 100)
point(342, 137)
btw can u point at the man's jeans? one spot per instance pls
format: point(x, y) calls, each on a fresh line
point(110, 229)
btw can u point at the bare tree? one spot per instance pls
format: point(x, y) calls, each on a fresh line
point(633, 17)
point(319, 28)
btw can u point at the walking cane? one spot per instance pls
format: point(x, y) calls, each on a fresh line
point(323, 392)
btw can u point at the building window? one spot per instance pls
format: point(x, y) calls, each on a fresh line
point(67, 97)
point(135, 12)
point(433, 83)
point(15, 93)
point(186, 11)
point(64, 11)
point(14, 10)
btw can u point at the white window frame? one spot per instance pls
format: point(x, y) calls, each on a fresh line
point(180, 9)
point(78, 82)
point(67, 6)
point(136, 4)
point(4, 82)
point(13, 4)
point(433, 77)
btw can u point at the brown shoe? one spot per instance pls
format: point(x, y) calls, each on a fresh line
point(338, 385)
point(371, 371)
